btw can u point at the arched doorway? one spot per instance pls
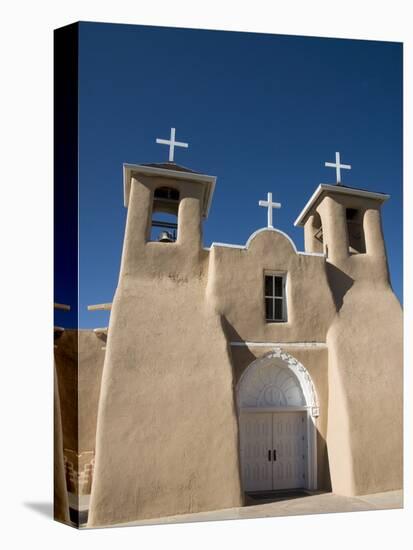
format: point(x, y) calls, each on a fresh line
point(277, 405)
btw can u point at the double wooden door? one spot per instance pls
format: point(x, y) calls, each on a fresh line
point(273, 450)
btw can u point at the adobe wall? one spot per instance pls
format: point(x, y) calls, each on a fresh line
point(66, 360)
point(79, 363)
point(60, 498)
point(364, 434)
point(236, 287)
point(167, 434)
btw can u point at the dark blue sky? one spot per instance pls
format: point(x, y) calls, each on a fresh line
point(260, 112)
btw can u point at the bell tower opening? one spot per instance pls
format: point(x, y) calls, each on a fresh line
point(357, 243)
point(313, 234)
point(164, 224)
point(342, 221)
point(166, 204)
point(318, 241)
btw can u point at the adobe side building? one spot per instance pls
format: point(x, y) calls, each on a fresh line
point(79, 357)
point(246, 368)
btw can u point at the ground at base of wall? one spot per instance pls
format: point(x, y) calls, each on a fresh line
point(322, 503)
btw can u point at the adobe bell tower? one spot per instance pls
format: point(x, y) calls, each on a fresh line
point(167, 364)
point(365, 338)
point(343, 222)
point(155, 189)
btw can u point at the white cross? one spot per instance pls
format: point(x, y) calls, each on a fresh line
point(270, 205)
point(338, 167)
point(172, 144)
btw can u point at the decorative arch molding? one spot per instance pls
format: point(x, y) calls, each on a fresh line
point(265, 381)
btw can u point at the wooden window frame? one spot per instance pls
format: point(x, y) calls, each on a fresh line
point(274, 297)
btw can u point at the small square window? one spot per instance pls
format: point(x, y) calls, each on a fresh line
point(275, 298)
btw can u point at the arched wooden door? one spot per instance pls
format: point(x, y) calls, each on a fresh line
point(276, 429)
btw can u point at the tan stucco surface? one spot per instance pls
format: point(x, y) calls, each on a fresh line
point(167, 420)
point(60, 499)
point(78, 365)
point(365, 424)
point(236, 285)
point(66, 360)
point(365, 431)
point(167, 432)
point(91, 358)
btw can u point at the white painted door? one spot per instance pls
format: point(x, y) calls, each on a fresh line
point(273, 450)
point(289, 450)
point(256, 444)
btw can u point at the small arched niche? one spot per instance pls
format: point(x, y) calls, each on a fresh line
point(164, 223)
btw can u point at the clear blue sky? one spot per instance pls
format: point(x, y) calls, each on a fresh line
point(260, 112)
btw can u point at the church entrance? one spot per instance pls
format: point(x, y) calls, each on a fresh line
point(274, 450)
point(277, 432)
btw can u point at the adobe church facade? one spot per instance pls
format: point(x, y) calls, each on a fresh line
point(236, 369)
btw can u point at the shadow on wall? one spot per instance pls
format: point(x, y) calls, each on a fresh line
point(232, 336)
point(323, 464)
point(339, 282)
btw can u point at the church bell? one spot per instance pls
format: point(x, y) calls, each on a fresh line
point(165, 237)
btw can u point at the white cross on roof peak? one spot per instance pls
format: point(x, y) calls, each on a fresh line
point(270, 206)
point(338, 166)
point(172, 144)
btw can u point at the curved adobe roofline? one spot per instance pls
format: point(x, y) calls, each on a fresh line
point(252, 237)
point(273, 229)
